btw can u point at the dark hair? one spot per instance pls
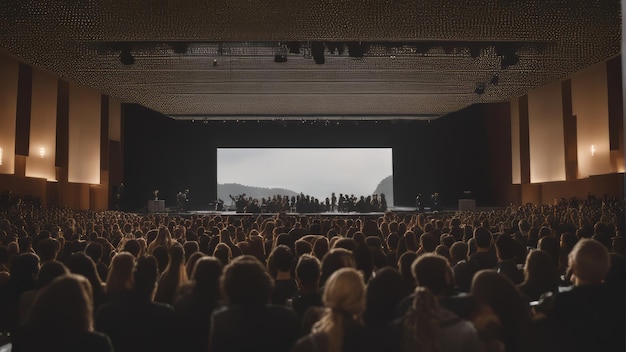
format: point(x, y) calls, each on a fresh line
point(206, 276)
point(245, 282)
point(94, 251)
point(483, 237)
point(458, 251)
point(48, 249)
point(281, 258)
point(433, 271)
point(50, 271)
point(505, 247)
point(428, 242)
point(145, 275)
point(385, 290)
point(308, 269)
point(334, 260)
point(133, 247)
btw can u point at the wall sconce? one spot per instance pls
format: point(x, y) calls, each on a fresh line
point(42, 152)
point(593, 150)
point(1, 155)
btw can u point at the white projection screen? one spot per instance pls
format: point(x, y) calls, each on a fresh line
point(316, 172)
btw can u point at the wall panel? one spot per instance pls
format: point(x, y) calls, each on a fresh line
point(8, 104)
point(545, 128)
point(590, 106)
point(515, 143)
point(84, 135)
point(43, 127)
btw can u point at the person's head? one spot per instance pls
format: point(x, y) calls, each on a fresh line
point(344, 299)
point(245, 282)
point(483, 238)
point(162, 257)
point(385, 290)
point(334, 260)
point(588, 262)
point(206, 277)
point(120, 276)
point(308, 272)
point(505, 247)
point(539, 269)
point(223, 253)
point(94, 251)
point(48, 249)
point(421, 323)
point(458, 252)
point(433, 271)
point(80, 263)
point(49, 271)
point(133, 247)
point(66, 301)
point(190, 248)
point(191, 262)
point(550, 244)
point(404, 266)
point(145, 276)
point(24, 269)
point(428, 242)
point(302, 247)
point(280, 259)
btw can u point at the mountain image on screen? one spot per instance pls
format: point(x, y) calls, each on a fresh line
point(385, 186)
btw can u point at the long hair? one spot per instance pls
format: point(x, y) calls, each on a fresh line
point(344, 299)
point(173, 277)
point(421, 325)
point(63, 306)
point(120, 276)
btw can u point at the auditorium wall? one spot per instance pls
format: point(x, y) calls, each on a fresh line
point(52, 138)
point(574, 131)
point(467, 150)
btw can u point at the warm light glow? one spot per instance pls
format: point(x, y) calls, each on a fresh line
point(42, 152)
point(593, 150)
point(1, 155)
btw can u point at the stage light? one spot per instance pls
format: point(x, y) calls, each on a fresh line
point(593, 150)
point(480, 89)
point(42, 152)
point(1, 155)
point(126, 57)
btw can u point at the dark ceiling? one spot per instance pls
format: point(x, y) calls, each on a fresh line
point(381, 58)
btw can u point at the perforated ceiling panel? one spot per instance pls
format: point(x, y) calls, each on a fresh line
point(216, 59)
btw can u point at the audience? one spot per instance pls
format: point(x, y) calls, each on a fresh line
point(330, 275)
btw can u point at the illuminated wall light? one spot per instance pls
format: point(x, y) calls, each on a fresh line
point(42, 152)
point(1, 155)
point(593, 150)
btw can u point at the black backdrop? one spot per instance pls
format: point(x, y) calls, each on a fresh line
point(466, 150)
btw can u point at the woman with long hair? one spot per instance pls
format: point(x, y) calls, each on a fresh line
point(163, 238)
point(340, 327)
point(61, 319)
point(173, 277)
point(120, 279)
point(80, 263)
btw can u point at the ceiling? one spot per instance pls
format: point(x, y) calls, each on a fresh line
point(408, 59)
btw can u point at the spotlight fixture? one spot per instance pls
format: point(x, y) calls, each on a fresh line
point(317, 50)
point(126, 57)
point(480, 89)
point(280, 58)
point(214, 62)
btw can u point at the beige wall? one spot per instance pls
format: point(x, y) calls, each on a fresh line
point(515, 143)
point(590, 106)
point(84, 135)
point(8, 105)
point(545, 133)
point(43, 126)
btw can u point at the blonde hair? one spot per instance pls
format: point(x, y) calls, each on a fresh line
point(344, 299)
point(120, 275)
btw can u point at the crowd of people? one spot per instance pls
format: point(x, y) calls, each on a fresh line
point(520, 278)
point(306, 204)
